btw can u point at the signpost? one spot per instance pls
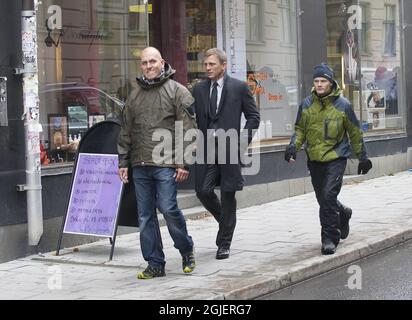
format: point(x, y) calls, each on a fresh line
point(95, 198)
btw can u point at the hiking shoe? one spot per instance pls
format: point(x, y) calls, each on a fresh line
point(188, 262)
point(328, 247)
point(344, 216)
point(151, 272)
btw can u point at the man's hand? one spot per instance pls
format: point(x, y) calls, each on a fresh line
point(290, 153)
point(123, 174)
point(364, 166)
point(181, 174)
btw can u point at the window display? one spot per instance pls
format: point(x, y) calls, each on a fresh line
point(272, 64)
point(364, 48)
point(87, 62)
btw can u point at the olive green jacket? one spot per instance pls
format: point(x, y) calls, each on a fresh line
point(329, 127)
point(156, 116)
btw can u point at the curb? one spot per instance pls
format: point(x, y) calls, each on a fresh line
point(316, 266)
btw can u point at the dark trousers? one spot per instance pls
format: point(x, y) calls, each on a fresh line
point(327, 180)
point(223, 211)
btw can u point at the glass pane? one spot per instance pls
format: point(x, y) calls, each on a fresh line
point(371, 81)
point(272, 70)
point(86, 66)
point(182, 30)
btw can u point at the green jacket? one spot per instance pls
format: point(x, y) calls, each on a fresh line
point(156, 115)
point(329, 126)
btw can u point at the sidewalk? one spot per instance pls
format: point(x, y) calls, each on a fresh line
point(275, 245)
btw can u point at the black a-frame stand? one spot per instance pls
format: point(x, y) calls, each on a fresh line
point(99, 145)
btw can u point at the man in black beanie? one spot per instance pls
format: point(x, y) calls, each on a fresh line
point(328, 127)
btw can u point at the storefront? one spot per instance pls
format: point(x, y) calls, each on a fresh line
point(365, 48)
point(88, 60)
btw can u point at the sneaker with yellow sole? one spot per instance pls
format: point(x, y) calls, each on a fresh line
point(151, 272)
point(188, 262)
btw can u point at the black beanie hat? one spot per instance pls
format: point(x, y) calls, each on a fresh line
point(324, 71)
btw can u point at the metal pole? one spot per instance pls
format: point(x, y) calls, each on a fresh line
point(31, 123)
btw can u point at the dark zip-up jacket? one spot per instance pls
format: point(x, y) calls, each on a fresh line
point(152, 111)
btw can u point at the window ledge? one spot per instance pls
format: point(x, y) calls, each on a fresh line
point(389, 55)
point(57, 169)
point(366, 54)
point(287, 45)
point(278, 144)
point(269, 145)
point(386, 135)
point(255, 43)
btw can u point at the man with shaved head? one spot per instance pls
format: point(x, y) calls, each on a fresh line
point(153, 108)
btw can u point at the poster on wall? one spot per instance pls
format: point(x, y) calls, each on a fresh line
point(376, 119)
point(57, 130)
point(375, 99)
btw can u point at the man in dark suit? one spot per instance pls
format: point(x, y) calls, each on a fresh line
point(219, 103)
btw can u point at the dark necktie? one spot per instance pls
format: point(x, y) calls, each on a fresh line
point(213, 101)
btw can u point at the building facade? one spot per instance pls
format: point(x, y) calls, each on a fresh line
point(88, 60)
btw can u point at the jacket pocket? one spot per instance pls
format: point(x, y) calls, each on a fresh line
point(331, 129)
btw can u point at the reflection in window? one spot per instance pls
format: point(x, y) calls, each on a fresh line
point(138, 18)
point(288, 21)
point(253, 21)
point(84, 74)
point(375, 87)
point(272, 66)
point(389, 30)
point(364, 32)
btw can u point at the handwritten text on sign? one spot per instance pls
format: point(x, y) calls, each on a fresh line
point(95, 196)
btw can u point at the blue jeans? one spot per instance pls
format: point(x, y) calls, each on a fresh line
point(156, 188)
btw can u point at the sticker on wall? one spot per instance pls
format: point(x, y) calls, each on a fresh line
point(4, 122)
point(33, 143)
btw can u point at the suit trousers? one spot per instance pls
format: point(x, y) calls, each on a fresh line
point(327, 178)
point(223, 211)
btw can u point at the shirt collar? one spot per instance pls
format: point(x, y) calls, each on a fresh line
point(219, 82)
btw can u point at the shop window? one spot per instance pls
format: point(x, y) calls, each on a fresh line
point(86, 69)
point(253, 13)
point(200, 30)
point(372, 81)
point(272, 69)
point(183, 30)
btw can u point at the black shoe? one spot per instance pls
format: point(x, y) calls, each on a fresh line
point(344, 215)
point(151, 272)
point(328, 247)
point(188, 262)
point(222, 253)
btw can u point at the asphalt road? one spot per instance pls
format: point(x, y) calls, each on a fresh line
point(384, 276)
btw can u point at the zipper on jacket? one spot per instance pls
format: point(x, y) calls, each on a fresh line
point(325, 128)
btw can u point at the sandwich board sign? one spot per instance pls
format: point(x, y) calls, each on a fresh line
point(95, 197)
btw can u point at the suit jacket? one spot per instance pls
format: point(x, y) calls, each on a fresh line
point(236, 99)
